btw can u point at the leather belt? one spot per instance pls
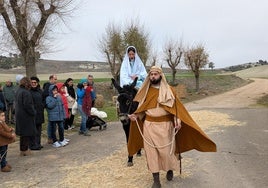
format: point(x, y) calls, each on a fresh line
point(168, 117)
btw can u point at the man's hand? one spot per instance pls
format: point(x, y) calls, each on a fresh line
point(177, 123)
point(132, 117)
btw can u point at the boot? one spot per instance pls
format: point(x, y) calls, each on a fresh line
point(169, 175)
point(156, 183)
point(5, 169)
point(9, 166)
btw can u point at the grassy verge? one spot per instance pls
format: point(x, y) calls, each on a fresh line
point(263, 101)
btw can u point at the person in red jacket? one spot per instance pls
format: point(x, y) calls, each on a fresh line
point(7, 136)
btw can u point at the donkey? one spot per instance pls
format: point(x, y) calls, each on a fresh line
point(126, 106)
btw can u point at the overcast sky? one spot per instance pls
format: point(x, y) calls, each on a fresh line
point(232, 31)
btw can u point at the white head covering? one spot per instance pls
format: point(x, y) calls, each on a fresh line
point(127, 70)
point(165, 97)
point(18, 78)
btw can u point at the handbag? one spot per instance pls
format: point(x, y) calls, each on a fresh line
point(74, 108)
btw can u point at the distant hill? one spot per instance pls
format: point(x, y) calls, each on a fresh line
point(253, 72)
point(44, 66)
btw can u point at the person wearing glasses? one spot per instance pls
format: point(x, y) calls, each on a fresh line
point(36, 91)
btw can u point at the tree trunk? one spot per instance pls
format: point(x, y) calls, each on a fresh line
point(197, 82)
point(173, 75)
point(30, 62)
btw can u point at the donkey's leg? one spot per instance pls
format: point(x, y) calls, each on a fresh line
point(139, 153)
point(126, 128)
point(130, 161)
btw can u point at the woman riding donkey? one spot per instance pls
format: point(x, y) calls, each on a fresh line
point(132, 69)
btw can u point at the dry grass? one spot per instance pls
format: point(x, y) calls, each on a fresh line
point(112, 171)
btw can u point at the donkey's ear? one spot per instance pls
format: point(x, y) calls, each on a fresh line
point(134, 83)
point(116, 85)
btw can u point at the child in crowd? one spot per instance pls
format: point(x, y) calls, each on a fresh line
point(62, 91)
point(7, 136)
point(56, 115)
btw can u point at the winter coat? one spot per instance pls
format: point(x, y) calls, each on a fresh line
point(55, 108)
point(80, 95)
point(3, 102)
point(24, 113)
point(38, 104)
point(9, 94)
point(45, 90)
point(71, 95)
point(5, 134)
point(71, 91)
point(64, 98)
point(87, 101)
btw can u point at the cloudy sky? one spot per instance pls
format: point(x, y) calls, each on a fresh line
point(232, 31)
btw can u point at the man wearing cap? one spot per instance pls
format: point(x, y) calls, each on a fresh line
point(166, 128)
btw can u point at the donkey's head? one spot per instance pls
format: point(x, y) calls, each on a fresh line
point(125, 100)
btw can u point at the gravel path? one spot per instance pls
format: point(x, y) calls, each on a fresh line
point(100, 160)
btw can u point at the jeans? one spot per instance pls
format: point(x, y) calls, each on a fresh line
point(83, 127)
point(3, 155)
point(53, 125)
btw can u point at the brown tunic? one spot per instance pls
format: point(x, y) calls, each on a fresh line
point(188, 138)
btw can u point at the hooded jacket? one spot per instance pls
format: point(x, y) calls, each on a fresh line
point(63, 97)
point(55, 107)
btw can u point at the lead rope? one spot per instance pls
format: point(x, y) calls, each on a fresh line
point(171, 143)
point(155, 146)
point(176, 119)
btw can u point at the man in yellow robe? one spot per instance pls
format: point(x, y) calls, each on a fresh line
point(166, 128)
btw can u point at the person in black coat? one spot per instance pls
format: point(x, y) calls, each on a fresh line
point(2, 100)
point(25, 115)
point(71, 97)
point(35, 141)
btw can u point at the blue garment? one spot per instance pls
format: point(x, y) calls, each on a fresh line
point(129, 69)
point(53, 125)
point(49, 130)
point(80, 95)
point(55, 107)
point(83, 125)
point(3, 154)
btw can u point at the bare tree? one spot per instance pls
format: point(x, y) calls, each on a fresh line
point(134, 34)
point(115, 40)
point(173, 51)
point(112, 46)
point(196, 58)
point(27, 21)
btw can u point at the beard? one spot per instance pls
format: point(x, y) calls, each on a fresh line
point(156, 81)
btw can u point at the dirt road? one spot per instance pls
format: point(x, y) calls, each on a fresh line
point(100, 160)
point(243, 97)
